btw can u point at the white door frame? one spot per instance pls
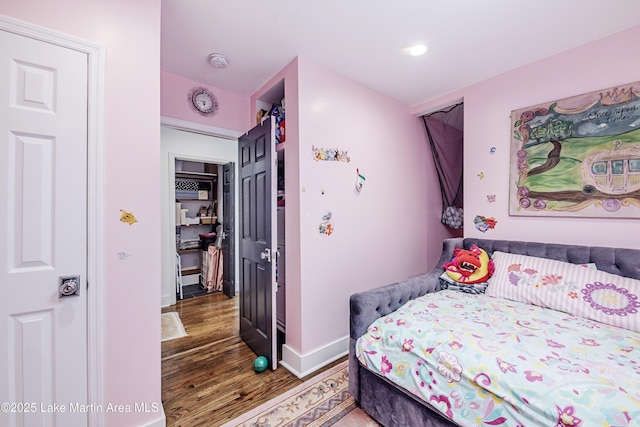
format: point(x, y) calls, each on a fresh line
point(168, 252)
point(172, 196)
point(95, 196)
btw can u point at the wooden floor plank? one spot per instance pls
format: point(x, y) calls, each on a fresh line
point(207, 376)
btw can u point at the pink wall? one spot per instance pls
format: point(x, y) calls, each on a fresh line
point(130, 32)
point(389, 231)
point(488, 105)
point(232, 111)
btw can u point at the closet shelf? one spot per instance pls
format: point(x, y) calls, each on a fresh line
point(184, 174)
point(189, 251)
point(191, 270)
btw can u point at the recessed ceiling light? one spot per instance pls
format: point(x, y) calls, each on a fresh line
point(218, 60)
point(417, 50)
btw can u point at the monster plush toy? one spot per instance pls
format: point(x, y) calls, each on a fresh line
point(469, 266)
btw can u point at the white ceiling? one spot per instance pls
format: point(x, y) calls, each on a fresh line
point(468, 40)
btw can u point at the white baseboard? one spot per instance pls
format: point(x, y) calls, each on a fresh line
point(303, 365)
point(160, 422)
point(166, 301)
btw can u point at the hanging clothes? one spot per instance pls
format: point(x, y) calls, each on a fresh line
point(214, 269)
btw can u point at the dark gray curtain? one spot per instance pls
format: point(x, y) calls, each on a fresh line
point(445, 133)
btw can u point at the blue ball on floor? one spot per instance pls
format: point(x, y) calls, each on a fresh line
point(260, 364)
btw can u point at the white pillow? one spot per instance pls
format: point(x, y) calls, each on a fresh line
point(574, 289)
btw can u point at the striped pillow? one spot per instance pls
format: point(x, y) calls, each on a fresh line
point(573, 289)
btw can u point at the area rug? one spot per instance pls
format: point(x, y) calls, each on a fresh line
point(321, 401)
point(172, 327)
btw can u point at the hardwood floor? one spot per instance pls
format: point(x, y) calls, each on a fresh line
point(208, 377)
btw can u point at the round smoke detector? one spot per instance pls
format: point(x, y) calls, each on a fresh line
point(218, 60)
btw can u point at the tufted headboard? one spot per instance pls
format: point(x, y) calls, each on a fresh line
point(623, 262)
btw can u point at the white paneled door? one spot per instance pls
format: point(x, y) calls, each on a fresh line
point(43, 234)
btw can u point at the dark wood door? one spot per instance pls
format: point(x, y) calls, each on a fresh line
point(256, 154)
point(228, 230)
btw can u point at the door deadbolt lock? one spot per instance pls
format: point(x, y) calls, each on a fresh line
point(68, 286)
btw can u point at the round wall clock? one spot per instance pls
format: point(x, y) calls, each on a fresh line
point(203, 101)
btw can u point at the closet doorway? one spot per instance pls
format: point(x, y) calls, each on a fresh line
point(201, 215)
point(189, 151)
point(200, 144)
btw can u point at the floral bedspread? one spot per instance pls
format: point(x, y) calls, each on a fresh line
point(489, 361)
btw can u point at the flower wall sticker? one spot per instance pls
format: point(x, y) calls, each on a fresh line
point(330, 154)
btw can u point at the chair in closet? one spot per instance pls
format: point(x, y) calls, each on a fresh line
point(179, 276)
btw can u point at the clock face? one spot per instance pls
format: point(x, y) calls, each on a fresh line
point(203, 101)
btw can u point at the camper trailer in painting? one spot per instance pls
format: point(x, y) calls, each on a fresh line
point(614, 171)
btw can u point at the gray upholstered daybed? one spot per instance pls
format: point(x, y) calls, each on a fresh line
point(391, 405)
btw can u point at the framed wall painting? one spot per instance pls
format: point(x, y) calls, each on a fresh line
point(578, 156)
